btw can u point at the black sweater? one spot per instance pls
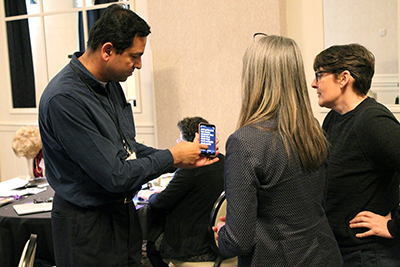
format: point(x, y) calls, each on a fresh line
point(187, 202)
point(362, 172)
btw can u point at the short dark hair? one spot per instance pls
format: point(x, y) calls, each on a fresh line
point(118, 26)
point(355, 58)
point(189, 126)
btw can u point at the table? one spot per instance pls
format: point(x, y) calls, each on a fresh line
point(15, 230)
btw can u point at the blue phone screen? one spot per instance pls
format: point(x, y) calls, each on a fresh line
point(207, 136)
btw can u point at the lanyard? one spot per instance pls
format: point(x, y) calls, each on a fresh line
point(115, 120)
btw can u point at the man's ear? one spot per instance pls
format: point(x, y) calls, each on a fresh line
point(106, 51)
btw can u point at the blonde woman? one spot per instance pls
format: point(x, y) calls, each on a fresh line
point(274, 182)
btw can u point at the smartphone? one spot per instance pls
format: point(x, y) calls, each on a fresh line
point(207, 136)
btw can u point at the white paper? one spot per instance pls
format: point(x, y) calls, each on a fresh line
point(7, 186)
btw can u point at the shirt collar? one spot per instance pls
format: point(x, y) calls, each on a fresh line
point(87, 75)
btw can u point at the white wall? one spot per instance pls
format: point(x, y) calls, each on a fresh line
point(56, 27)
point(305, 26)
point(185, 73)
point(372, 23)
point(198, 47)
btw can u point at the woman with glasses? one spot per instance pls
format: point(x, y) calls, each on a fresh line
point(363, 160)
point(274, 180)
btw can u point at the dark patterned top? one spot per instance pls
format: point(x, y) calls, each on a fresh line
point(274, 208)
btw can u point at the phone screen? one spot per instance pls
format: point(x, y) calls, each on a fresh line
point(207, 136)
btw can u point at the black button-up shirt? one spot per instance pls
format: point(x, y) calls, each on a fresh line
point(83, 151)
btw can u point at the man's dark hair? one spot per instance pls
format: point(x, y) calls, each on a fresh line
point(189, 127)
point(118, 26)
point(352, 57)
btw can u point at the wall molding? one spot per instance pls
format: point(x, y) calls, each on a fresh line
point(384, 81)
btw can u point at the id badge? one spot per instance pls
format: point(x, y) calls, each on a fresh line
point(131, 156)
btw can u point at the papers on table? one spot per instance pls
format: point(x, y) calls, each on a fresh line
point(17, 187)
point(26, 191)
point(163, 180)
point(12, 184)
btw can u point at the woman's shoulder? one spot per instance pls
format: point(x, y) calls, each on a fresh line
point(263, 126)
point(371, 110)
point(254, 137)
point(264, 129)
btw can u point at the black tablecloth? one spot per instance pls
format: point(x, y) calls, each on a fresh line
point(15, 230)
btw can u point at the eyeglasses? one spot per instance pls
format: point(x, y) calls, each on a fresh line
point(318, 75)
point(259, 34)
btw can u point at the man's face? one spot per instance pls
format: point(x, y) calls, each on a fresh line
point(121, 66)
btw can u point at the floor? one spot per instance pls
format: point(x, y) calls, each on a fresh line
point(145, 260)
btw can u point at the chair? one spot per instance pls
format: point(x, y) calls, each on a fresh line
point(218, 210)
point(28, 254)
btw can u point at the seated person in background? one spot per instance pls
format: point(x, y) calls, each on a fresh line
point(187, 202)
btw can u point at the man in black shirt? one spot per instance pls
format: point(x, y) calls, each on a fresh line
point(93, 161)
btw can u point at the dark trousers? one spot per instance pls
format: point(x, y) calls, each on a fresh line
point(107, 236)
point(373, 258)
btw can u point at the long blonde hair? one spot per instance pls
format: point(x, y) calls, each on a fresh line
point(274, 88)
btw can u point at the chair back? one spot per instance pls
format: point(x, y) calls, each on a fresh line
point(219, 210)
point(29, 252)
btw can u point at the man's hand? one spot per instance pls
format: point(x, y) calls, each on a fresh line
point(376, 224)
point(187, 154)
